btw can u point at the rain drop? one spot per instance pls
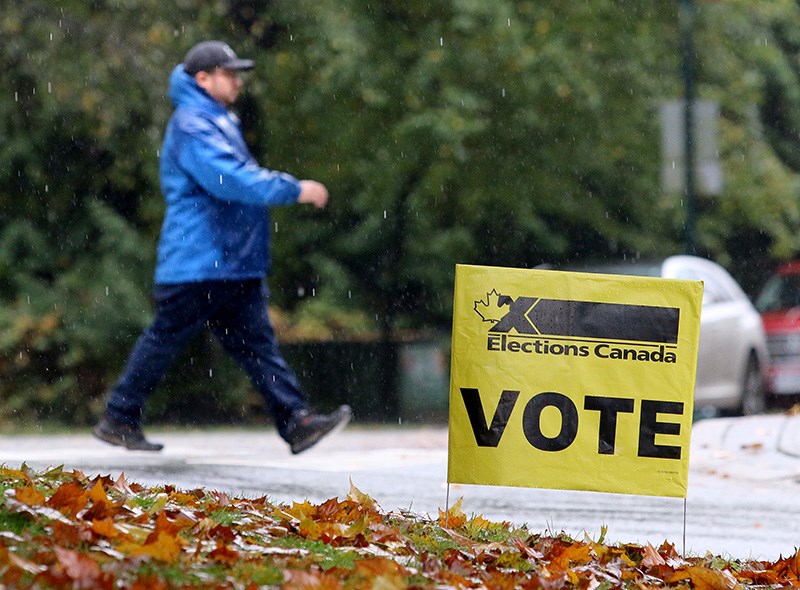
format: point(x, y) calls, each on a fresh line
point(106, 291)
point(276, 227)
point(384, 213)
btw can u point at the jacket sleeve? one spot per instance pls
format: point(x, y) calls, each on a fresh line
point(228, 173)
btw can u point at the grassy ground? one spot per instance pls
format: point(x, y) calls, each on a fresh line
point(60, 529)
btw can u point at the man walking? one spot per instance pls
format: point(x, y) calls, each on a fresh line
point(213, 256)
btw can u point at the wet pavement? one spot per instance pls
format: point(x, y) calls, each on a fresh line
point(743, 483)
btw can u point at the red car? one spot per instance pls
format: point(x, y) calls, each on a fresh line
point(779, 305)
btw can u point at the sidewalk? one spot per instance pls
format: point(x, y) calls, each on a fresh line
point(755, 448)
point(752, 448)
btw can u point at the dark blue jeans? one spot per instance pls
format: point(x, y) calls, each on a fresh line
point(236, 313)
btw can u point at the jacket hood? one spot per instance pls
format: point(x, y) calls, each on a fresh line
point(184, 91)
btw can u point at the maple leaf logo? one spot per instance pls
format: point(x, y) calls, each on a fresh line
point(491, 310)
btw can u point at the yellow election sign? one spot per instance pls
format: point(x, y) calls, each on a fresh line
point(572, 380)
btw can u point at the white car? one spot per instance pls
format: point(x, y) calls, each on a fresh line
point(733, 359)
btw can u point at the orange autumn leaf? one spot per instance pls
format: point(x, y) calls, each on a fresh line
point(98, 493)
point(379, 566)
point(310, 529)
point(789, 567)
point(30, 496)
point(13, 474)
point(668, 551)
point(169, 527)
point(183, 499)
point(297, 511)
point(332, 510)
point(312, 580)
point(224, 554)
point(69, 498)
point(453, 517)
point(571, 555)
point(106, 528)
point(165, 547)
point(704, 578)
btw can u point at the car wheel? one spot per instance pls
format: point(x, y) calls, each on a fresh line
point(753, 399)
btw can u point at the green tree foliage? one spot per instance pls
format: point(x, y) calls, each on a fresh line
point(514, 132)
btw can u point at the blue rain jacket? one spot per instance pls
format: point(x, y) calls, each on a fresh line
point(216, 225)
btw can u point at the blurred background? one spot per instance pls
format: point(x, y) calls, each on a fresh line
point(504, 133)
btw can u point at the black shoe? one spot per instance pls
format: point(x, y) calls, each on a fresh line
point(123, 435)
point(306, 429)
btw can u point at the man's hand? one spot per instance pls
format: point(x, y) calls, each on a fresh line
point(313, 192)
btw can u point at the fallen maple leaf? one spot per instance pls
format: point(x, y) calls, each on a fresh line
point(81, 569)
point(164, 547)
point(70, 498)
point(105, 528)
point(69, 534)
point(224, 554)
point(453, 517)
point(571, 555)
point(705, 578)
point(789, 567)
point(313, 580)
point(361, 498)
point(526, 550)
point(651, 557)
point(30, 496)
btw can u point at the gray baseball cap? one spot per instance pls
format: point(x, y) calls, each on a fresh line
point(207, 55)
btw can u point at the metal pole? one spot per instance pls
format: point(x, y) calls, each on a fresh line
point(687, 30)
